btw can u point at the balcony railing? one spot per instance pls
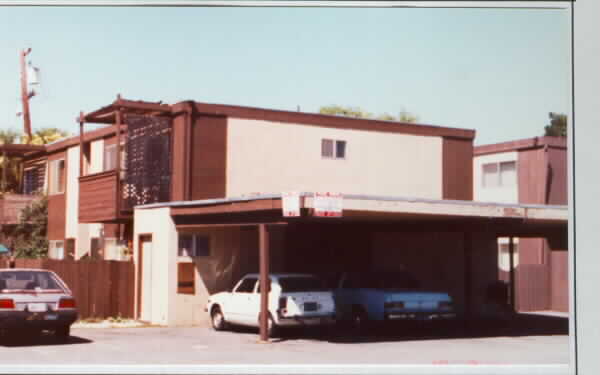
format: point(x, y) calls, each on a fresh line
point(98, 197)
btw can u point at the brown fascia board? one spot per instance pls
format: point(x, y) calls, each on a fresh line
point(87, 136)
point(521, 144)
point(315, 119)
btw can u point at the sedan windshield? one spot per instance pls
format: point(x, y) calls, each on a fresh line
point(301, 284)
point(28, 280)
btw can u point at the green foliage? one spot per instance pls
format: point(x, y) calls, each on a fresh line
point(557, 126)
point(44, 136)
point(30, 234)
point(10, 168)
point(356, 112)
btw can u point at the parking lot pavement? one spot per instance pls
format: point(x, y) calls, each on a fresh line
point(203, 346)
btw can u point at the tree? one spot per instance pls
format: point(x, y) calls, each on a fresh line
point(557, 126)
point(356, 112)
point(44, 136)
point(9, 166)
point(29, 236)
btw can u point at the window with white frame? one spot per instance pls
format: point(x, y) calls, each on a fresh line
point(193, 245)
point(333, 149)
point(503, 174)
point(110, 157)
point(57, 176)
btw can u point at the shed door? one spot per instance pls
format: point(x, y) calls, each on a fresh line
point(146, 281)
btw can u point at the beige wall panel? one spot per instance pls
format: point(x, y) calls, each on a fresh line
point(271, 157)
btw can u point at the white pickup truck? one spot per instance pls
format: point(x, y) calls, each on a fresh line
point(294, 300)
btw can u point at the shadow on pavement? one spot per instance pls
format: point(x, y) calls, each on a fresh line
point(516, 326)
point(44, 339)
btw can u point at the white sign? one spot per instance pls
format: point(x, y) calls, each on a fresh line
point(290, 204)
point(328, 204)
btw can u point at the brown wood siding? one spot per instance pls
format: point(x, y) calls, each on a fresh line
point(560, 280)
point(209, 157)
point(57, 204)
point(530, 250)
point(457, 170)
point(558, 183)
point(98, 197)
point(56, 217)
point(178, 170)
point(531, 174)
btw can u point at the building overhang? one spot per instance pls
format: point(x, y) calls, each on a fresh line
point(381, 213)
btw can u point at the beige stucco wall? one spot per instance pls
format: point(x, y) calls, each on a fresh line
point(233, 253)
point(159, 224)
point(509, 194)
point(272, 157)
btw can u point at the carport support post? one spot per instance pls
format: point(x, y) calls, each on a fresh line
point(263, 236)
point(511, 274)
point(467, 243)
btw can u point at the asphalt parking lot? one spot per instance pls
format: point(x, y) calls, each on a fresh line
point(534, 343)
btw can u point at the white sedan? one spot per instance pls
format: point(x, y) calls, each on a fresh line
point(294, 300)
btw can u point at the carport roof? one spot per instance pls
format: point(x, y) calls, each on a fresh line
point(412, 213)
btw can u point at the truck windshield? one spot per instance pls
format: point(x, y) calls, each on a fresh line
point(301, 284)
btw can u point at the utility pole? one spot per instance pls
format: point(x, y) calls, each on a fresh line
point(25, 94)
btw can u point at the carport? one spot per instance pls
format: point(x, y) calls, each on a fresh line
point(472, 226)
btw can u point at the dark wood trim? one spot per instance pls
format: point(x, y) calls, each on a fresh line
point(314, 119)
point(141, 238)
point(259, 205)
point(94, 176)
point(468, 287)
point(511, 272)
point(457, 169)
point(521, 144)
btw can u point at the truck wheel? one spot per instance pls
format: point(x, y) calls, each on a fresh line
point(217, 319)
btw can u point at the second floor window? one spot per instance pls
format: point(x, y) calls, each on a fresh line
point(503, 174)
point(333, 149)
point(33, 179)
point(110, 157)
point(57, 177)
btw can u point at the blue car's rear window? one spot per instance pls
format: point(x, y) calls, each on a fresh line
point(382, 280)
point(301, 284)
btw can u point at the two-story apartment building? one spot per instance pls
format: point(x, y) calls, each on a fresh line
point(182, 187)
point(529, 171)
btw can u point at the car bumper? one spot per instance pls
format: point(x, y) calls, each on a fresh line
point(39, 320)
point(422, 316)
point(307, 320)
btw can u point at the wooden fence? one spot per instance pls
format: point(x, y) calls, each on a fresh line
point(102, 288)
point(533, 287)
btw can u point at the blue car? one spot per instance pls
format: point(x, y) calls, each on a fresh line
point(362, 297)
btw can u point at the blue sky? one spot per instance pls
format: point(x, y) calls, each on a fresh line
point(498, 71)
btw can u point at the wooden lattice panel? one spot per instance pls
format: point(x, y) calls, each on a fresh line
point(148, 162)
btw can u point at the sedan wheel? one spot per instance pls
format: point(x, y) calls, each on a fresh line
point(217, 319)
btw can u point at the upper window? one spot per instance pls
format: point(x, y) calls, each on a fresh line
point(57, 176)
point(333, 149)
point(499, 174)
point(33, 179)
point(194, 245)
point(110, 157)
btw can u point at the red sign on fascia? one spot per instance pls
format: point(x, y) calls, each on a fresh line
point(328, 204)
